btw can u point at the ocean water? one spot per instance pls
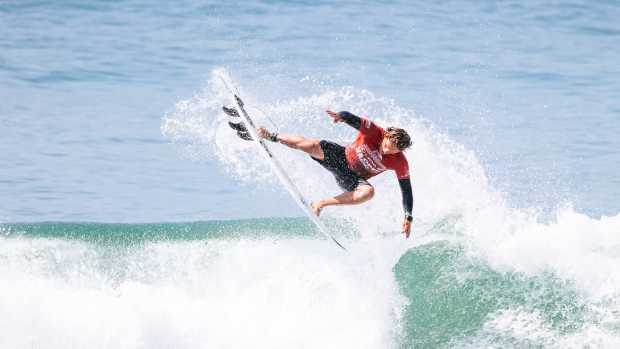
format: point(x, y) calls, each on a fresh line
point(132, 217)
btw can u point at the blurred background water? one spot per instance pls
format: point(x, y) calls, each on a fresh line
point(531, 87)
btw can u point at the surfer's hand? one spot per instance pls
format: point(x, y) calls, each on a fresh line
point(316, 208)
point(406, 228)
point(335, 116)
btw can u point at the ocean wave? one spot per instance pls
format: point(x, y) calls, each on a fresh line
point(477, 272)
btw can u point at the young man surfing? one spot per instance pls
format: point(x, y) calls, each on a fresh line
point(373, 151)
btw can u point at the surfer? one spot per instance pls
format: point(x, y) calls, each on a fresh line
point(373, 151)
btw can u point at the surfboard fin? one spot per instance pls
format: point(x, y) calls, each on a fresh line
point(237, 127)
point(244, 135)
point(242, 131)
point(230, 112)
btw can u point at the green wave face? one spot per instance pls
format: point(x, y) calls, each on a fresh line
point(454, 300)
point(123, 234)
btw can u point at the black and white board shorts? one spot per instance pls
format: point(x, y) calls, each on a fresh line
point(335, 161)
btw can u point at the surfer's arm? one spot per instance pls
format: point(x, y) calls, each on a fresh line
point(407, 194)
point(344, 116)
point(351, 119)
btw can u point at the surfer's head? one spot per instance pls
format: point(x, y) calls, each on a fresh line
point(395, 140)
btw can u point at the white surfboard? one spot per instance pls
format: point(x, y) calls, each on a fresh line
point(278, 169)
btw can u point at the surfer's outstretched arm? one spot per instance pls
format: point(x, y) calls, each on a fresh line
point(346, 117)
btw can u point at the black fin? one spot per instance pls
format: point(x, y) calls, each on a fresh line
point(242, 131)
point(230, 111)
point(237, 127)
point(244, 135)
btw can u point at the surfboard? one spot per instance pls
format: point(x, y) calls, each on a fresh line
point(249, 130)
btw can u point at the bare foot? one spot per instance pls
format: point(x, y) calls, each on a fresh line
point(316, 208)
point(265, 134)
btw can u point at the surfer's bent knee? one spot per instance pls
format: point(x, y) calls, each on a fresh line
point(367, 191)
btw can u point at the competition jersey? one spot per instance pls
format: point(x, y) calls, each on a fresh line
point(364, 156)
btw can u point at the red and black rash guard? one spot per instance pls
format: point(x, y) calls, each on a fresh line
point(365, 159)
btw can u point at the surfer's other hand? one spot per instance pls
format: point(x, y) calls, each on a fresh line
point(334, 115)
point(406, 228)
point(316, 208)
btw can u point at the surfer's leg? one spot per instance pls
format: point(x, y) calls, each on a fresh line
point(360, 195)
point(307, 145)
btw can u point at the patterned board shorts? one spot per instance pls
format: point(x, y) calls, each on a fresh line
point(335, 161)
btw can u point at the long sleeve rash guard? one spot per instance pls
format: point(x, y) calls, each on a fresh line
point(369, 137)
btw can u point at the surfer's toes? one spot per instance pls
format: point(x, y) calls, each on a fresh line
point(264, 133)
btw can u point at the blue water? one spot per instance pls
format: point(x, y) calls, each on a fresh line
point(109, 114)
point(531, 88)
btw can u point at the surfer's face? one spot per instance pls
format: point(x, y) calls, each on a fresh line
point(388, 146)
